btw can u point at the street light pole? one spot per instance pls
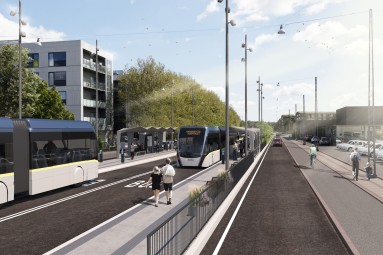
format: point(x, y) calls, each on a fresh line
point(97, 124)
point(21, 34)
point(244, 45)
point(171, 122)
point(20, 68)
point(259, 113)
point(316, 109)
point(227, 133)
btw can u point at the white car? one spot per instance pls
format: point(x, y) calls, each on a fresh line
point(379, 153)
point(364, 150)
point(341, 146)
point(351, 145)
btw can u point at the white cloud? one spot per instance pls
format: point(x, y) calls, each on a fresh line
point(297, 89)
point(262, 39)
point(334, 36)
point(9, 31)
point(211, 8)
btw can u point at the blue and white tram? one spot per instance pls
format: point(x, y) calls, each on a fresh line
point(199, 146)
point(38, 155)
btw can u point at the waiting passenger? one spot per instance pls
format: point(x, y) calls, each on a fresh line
point(49, 147)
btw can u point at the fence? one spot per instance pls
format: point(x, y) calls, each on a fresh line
point(175, 234)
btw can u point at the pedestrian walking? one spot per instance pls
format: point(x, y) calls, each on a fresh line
point(355, 158)
point(368, 169)
point(313, 153)
point(235, 149)
point(168, 173)
point(241, 146)
point(156, 179)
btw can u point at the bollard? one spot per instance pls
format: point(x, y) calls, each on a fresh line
point(122, 156)
point(100, 156)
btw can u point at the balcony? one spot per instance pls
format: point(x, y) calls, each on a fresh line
point(101, 122)
point(90, 64)
point(92, 85)
point(92, 103)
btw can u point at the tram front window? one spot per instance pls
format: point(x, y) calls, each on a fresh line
point(6, 153)
point(191, 142)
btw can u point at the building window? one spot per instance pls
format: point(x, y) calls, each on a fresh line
point(57, 79)
point(63, 96)
point(33, 60)
point(57, 59)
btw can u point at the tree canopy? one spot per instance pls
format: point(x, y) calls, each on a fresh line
point(38, 101)
point(156, 96)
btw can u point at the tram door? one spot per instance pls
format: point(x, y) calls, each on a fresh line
point(21, 156)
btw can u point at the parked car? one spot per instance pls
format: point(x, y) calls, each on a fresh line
point(324, 141)
point(351, 145)
point(379, 153)
point(341, 146)
point(277, 142)
point(364, 150)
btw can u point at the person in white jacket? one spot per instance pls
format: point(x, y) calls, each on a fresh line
point(168, 172)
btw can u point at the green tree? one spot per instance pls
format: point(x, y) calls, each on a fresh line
point(38, 101)
point(150, 90)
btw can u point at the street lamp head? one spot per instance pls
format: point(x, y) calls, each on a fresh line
point(13, 13)
point(250, 49)
point(232, 23)
point(23, 34)
point(243, 59)
point(38, 42)
point(281, 31)
point(243, 45)
point(24, 23)
point(278, 84)
point(219, 1)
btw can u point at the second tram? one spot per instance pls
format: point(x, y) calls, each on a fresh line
point(201, 146)
point(38, 155)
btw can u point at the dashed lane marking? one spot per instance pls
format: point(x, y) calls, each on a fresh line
point(15, 215)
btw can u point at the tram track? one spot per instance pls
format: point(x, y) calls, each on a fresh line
point(57, 217)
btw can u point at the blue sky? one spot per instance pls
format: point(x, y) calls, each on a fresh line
point(327, 39)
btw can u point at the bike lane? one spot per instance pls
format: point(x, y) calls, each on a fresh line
point(279, 214)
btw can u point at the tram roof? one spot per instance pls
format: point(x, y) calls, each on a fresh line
point(146, 129)
point(45, 125)
point(6, 125)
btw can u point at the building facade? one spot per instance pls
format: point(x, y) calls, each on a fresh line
point(70, 67)
point(352, 122)
point(321, 124)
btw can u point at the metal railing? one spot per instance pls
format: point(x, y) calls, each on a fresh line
point(176, 233)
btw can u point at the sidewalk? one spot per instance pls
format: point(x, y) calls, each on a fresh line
point(374, 186)
point(126, 233)
point(115, 164)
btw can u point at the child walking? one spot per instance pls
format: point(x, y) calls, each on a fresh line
point(156, 178)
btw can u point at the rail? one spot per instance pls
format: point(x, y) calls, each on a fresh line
point(176, 233)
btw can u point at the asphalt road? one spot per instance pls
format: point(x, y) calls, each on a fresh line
point(279, 215)
point(61, 219)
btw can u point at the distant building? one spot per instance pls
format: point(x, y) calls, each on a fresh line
point(308, 125)
point(119, 107)
point(352, 122)
point(70, 66)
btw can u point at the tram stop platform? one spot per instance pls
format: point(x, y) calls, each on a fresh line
point(126, 233)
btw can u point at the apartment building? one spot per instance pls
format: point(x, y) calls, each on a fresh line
point(70, 67)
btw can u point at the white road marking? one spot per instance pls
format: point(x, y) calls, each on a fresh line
point(12, 216)
point(219, 245)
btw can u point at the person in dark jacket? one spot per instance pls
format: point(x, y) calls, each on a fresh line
point(355, 159)
point(156, 179)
